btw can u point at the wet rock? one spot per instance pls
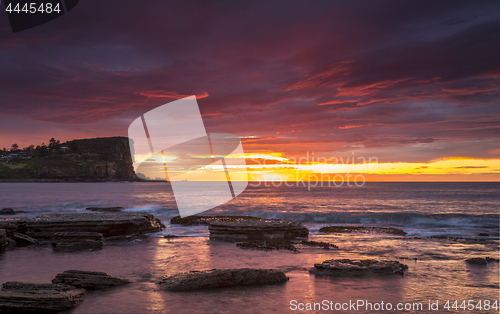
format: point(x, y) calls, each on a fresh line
point(23, 240)
point(483, 235)
point(107, 223)
point(12, 225)
point(283, 244)
point(171, 236)
point(346, 267)
point(217, 278)
point(3, 240)
point(19, 297)
point(92, 280)
point(268, 245)
point(481, 261)
point(62, 240)
point(256, 229)
point(7, 211)
point(349, 229)
point(206, 220)
point(104, 209)
point(324, 245)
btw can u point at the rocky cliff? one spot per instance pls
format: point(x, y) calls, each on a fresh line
point(96, 159)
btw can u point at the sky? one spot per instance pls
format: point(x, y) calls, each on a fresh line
point(414, 85)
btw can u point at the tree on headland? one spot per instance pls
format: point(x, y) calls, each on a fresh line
point(53, 144)
point(41, 150)
point(14, 148)
point(29, 149)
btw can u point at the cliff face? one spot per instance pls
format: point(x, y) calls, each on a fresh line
point(97, 159)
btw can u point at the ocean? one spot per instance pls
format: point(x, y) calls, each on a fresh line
point(442, 220)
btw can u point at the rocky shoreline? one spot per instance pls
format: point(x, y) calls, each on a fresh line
point(89, 230)
point(107, 224)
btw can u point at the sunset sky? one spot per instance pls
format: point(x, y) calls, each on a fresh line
point(415, 85)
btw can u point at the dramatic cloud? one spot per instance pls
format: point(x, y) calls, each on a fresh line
point(408, 81)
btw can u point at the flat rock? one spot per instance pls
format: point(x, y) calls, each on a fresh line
point(92, 280)
point(7, 211)
point(256, 229)
point(346, 267)
point(76, 239)
point(206, 220)
point(349, 229)
point(16, 297)
point(481, 261)
point(217, 278)
point(108, 224)
point(23, 240)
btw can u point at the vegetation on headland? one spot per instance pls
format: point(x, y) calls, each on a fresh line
point(96, 159)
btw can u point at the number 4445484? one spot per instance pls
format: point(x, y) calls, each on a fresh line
point(34, 8)
point(470, 305)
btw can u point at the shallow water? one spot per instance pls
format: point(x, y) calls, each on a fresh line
point(439, 273)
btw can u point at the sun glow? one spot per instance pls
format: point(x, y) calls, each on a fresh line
point(454, 168)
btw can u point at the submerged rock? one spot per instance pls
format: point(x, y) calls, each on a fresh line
point(324, 245)
point(346, 267)
point(22, 297)
point(481, 261)
point(283, 244)
point(256, 229)
point(104, 209)
point(349, 229)
point(171, 236)
point(88, 279)
point(108, 224)
point(268, 245)
point(23, 240)
point(7, 211)
point(217, 278)
point(206, 220)
point(61, 240)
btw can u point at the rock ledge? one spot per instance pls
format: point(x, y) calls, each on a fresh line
point(256, 229)
point(106, 223)
point(217, 278)
point(23, 297)
point(346, 267)
point(91, 280)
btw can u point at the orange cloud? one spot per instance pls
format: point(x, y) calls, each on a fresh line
point(168, 94)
